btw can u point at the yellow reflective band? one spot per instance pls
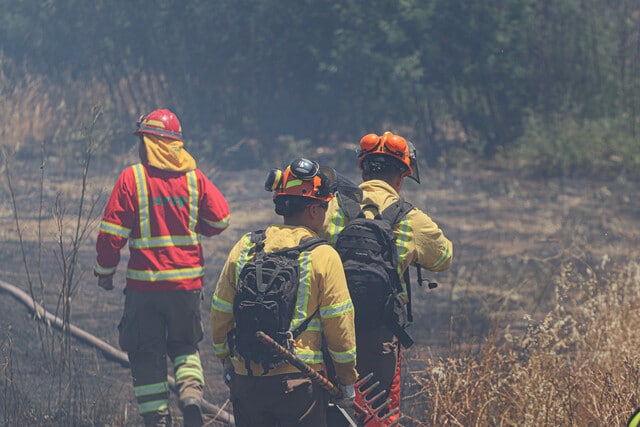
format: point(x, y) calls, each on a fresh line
point(221, 349)
point(143, 200)
point(156, 123)
point(402, 245)
point(115, 229)
point(103, 271)
point(165, 241)
point(336, 310)
point(184, 372)
point(154, 406)
point(293, 183)
point(314, 325)
point(337, 223)
point(219, 304)
point(311, 357)
point(343, 356)
point(244, 256)
point(149, 389)
point(304, 289)
point(223, 223)
point(193, 359)
point(154, 276)
point(192, 185)
point(445, 256)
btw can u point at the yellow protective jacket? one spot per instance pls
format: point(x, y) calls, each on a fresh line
point(322, 293)
point(419, 239)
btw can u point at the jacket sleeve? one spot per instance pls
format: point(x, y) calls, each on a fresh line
point(116, 225)
point(214, 209)
point(433, 250)
point(222, 302)
point(336, 313)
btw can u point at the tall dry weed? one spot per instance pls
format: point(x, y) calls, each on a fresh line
point(66, 404)
point(577, 366)
point(36, 110)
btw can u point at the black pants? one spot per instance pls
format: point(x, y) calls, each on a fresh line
point(154, 325)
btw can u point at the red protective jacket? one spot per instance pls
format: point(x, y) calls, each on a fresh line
point(163, 215)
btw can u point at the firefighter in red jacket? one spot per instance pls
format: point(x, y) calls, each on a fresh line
point(161, 206)
point(385, 161)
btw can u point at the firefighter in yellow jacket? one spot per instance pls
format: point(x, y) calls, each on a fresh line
point(280, 394)
point(385, 161)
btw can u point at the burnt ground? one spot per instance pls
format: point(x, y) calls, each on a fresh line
point(510, 236)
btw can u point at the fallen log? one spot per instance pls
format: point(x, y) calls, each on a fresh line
point(109, 351)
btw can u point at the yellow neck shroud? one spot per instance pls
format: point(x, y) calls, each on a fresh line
point(168, 154)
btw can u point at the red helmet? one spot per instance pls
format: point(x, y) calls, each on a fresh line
point(162, 123)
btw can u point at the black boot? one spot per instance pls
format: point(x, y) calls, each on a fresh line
point(192, 413)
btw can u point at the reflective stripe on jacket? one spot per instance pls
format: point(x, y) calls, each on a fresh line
point(322, 293)
point(162, 215)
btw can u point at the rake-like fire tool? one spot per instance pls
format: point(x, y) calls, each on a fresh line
point(365, 411)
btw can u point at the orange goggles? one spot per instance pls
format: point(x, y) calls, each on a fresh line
point(388, 143)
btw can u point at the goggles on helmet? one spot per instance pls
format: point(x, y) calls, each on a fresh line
point(391, 145)
point(387, 143)
point(303, 178)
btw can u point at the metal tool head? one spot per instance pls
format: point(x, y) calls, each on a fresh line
point(368, 404)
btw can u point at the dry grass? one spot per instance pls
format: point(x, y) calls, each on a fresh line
point(38, 114)
point(577, 366)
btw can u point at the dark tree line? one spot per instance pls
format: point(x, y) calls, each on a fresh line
point(442, 72)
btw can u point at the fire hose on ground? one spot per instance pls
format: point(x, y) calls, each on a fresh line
point(109, 352)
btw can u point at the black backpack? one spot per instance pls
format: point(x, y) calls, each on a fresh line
point(369, 256)
point(265, 301)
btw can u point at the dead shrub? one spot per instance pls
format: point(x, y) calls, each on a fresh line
point(577, 366)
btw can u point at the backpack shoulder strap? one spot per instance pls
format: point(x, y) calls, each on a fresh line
point(350, 207)
point(394, 214)
point(305, 244)
point(311, 243)
point(303, 326)
point(373, 208)
point(396, 211)
point(257, 238)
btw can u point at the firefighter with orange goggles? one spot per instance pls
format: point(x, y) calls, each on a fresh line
point(385, 160)
point(375, 148)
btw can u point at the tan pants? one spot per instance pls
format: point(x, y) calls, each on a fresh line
point(278, 400)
